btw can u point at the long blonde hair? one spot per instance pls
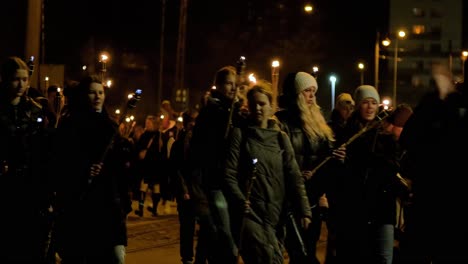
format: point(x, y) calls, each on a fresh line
point(313, 121)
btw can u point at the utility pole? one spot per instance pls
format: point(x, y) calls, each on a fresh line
point(161, 55)
point(33, 35)
point(180, 60)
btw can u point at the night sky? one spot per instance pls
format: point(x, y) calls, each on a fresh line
point(335, 37)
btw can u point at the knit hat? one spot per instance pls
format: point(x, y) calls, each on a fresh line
point(344, 99)
point(303, 80)
point(366, 91)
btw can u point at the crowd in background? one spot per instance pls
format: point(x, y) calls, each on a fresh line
point(258, 175)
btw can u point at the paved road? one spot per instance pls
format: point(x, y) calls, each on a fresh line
point(156, 239)
point(153, 239)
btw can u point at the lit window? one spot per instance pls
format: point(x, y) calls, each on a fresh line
point(418, 29)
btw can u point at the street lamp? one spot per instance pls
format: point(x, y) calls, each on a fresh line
point(332, 81)
point(308, 8)
point(274, 80)
point(464, 56)
point(315, 70)
point(103, 58)
point(361, 67)
point(401, 34)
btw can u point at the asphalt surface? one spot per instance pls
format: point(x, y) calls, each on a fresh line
point(156, 239)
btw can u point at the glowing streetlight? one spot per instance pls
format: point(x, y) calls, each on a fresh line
point(401, 34)
point(361, 68)
point(464, 56)
point(46, 82)
point(274, 80)
point(109, 83)
point(315, 70)
point(103, 58)
point(308, 8)
point(332, 81)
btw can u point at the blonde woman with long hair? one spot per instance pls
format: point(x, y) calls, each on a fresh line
point(313, 141)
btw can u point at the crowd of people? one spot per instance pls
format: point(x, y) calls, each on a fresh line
point(258, 175)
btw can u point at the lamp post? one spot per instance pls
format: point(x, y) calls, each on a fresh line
point(103, 58)
point(332, 81)
point(401, 34)
point(46, 83)
point(361, 67)
point(464, 56)
point(376, 61)
point(274, 80)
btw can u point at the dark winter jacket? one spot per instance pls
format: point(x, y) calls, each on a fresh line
point(278, 178)
point(91, 212)
point(368, 187)
point(308, 154)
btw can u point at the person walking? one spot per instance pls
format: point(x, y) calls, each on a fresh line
point(313, 141)
point(368, 187)
point(24, 151)
point(207, 153)
point(261, 175)
point(91, 162)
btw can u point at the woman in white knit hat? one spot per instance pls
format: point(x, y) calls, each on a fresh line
point(313, 141)
point(367, 188)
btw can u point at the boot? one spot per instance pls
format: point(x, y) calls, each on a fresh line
point(139, 212)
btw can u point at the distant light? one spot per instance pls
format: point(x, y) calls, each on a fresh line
point(130, 96)
point(117, 111)
point(132, 117)
point(127, 119)
point(333, 78)
point(308, 8)
point(58, 89)
point(401, 34)
point(46, 78)
point(386, 42)
point(275, 64)
point(39, 120)
point(361, 65)
point(162, 116)
point(252, 78)
point(315, 69)
point(465, 53)
point(84, 67)
point(180, 119)
point(213, 87)
point(104, 57)
point(109, 83)
point(386, 102)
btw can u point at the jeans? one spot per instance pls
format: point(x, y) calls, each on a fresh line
point(223, 247)
point(384, 238)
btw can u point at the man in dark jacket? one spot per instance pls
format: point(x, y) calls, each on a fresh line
point(208, 147)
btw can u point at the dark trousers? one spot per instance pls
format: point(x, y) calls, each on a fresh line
point(187, 223)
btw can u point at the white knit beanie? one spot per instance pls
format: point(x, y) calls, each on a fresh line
point(366, 91)
point(303, 80)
